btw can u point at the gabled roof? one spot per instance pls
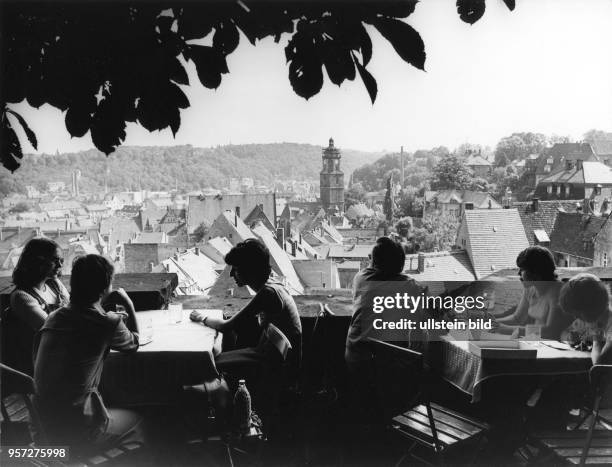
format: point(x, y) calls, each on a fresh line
point(281, 263)
point(544, 218)
point(315, 273)
point(476, 160)
point(258, 214)
point(592, 172)
point(496, 237)
point(561, 152)
point(441, 266)
point(480, 199)
point(192, 269)
point(574, 233)
point(237, 225)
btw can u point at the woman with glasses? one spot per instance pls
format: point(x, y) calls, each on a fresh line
point(38, 292)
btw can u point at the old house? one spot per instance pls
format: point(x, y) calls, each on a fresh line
point(492, 238)
point(577, 179)
point(538, 217)
point(555, 158)
point(455, 202)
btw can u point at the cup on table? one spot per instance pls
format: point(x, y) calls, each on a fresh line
point(175, 313)
point(533, 332)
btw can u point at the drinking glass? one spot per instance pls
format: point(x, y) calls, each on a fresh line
point(176, 312)
point(533, 332)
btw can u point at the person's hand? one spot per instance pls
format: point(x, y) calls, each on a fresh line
point(197, 316)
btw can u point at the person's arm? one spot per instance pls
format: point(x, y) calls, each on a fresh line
point(602, 352)
point(222, 325)
point(120, 297)
point(519, 317)
point(26, 308)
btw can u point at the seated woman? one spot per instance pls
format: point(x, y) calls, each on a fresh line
point(38, 292)
point(586, 298)
point(69, 357)
point(250, 262)
point(539, 303)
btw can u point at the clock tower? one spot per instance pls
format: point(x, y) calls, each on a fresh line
point(332, 179)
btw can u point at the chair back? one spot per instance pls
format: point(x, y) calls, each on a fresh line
point(399, 376)
point(600, 377)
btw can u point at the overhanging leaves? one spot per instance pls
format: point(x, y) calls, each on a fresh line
point(470, 11)
point(10, 149)
point(404, 39)
point(368, 81)
point(29, 133)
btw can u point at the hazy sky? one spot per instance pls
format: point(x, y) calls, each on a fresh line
point(546, 67)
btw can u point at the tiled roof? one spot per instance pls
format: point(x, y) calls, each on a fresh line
point(496, 237)
point(561, 152)
point(280, 259)
point(479, 199)
point(258, 214)
point(441, 266)
point(238, 225)
point(592, 172)
point(544, 218)
point(574, 233)
point(151, 237)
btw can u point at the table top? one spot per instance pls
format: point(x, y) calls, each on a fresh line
point(186, 336)
point(544, 351)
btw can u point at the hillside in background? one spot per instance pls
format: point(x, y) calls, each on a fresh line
point(191, 168)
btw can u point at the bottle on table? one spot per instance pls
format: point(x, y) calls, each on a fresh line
point(242, 408)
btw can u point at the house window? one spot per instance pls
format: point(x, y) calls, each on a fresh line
point(547, 168)
point(567, 190)
point(559, 189)
point(549, 189)
point(598, 190)
point(604, 260)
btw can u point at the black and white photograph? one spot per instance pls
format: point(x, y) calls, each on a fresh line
point(308, 233)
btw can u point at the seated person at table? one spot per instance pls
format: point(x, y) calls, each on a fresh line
point(250, 262)
point(38, 292)
point(383, 277)
point(69, 357)
point(586, 298)
point(539, 303)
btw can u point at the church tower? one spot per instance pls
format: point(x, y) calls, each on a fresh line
point(332, 179)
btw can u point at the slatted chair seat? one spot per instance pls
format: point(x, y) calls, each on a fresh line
point(570, 444)
point(451, 427)
point(426, 424)
point(590, 446)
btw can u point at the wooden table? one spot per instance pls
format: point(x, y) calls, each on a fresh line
point(453, 360)
point(179, 354)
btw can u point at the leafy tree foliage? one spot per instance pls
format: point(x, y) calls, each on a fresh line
point(451, 173)
point(200, 232)
point(106, 64)
point(436, 233)
point(354, 195)
point(403, 226)
point(596, 135)
point(518, 146)
point(22, 206)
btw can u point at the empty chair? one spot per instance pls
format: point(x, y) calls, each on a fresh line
point(404, 385)
point(592, 446)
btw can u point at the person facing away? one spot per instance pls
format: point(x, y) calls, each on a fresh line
point(272, 303)
point(539, 303)
point(38, 292)
point(587, 299)
point(69, 356)
point(383, 277)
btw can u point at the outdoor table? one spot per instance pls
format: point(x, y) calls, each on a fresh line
point(453, 360)
point(179, 354)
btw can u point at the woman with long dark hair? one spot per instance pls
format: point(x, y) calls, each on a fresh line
point(38, 292)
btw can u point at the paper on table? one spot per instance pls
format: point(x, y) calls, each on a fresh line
point(491, 336)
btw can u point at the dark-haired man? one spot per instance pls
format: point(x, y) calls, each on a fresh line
point(69, 358)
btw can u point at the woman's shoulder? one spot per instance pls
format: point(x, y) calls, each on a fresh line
point(22, 297)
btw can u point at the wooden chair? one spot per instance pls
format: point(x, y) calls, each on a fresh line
point(21, 420)
point(578, 446)
point(425, 424)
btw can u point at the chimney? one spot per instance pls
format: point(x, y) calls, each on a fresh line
point(280, 237)
point(237, 211)
point(293, 249)
point(421, 262)
point(535, 204)
point(569, 165)
point(579, 164)
point(235, 220)
point(196, 250)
